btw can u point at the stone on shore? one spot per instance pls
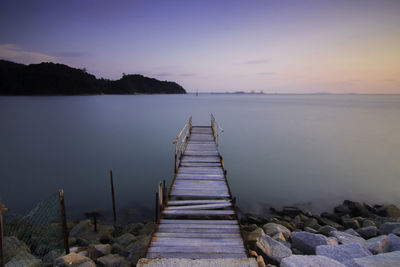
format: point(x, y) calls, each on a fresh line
point(352, 232)
point(342, 253)
point(326, 229)
point(254, 236)
point(125, 239)
point(99, 250)
point(388, 227)
point(112, 260)
point(350, 223)
point(307, 242)
point(367, 223)
point(24, 258)
point(394, 242)
point(73, 259)
point(390, 259)
point(272, 229)
point(272, 249)
point(392, 211)
point(13, 246)
point(345, 238)
point(379, 244)
point(368, 232)
point(309, 261)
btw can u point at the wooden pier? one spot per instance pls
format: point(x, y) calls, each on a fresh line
point(197, 218)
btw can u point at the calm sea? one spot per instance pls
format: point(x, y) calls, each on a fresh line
point(309, 150)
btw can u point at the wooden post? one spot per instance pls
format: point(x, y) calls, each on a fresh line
point(164, 191)
point(113, 197)
point(2, 208)
point(64, 220)
point(156, 208)
point(160, 196)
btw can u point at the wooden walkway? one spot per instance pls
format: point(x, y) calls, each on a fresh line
point(197, 219)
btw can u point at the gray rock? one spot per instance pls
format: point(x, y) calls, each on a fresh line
point(307, 242)
point(379, 244)
point(367, 223)
point(13, 246)
point(392, 211)
point(332, 241)
point(368, 232)
point(309, 261)
point(112, 260)
point(326, 229)
point(74, 259)
point(272, 229)
point(80, 228)
point(388, 227)
point(49, 258)
point(99, 250)
point(350, 223)
point(310, 230)
point(125, 239)
point(391, 259)
point(396, 231)
point(343, 253)
point(345, 238)
point(254, 236)
point(25, 259)
point(137, 249)
point(352, 232)
point(118, 249)
point(326, 221)
point(249, 227)
point(272, 249)
point(312, 223)
point(394, 242)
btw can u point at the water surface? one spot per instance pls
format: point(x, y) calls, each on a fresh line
point(314, 150)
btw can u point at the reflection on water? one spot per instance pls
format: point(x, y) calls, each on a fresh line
point(278, 149)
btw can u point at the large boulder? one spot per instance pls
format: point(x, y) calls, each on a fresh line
point(137, 249)
point(13, 246)
point(307, 242)
point(98, 250)
point(392, 211)
point(125, 239)
point(272, 229)
point(394, 242)
point(74, 259)
point(350, 223)
point(343, 253)
point(351, 231)
point(81, 228)
point(379, 244)
point(388, 227)
point(345, 238)
point(113, 260)
point(390, 259)
point(25, 259)
point(49, 258)
point(252, 237)
point(326, 229)
point(272, 249)
point(368, 232)
point(309, 261)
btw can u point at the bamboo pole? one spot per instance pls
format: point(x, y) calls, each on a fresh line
point(113, 197)
point(64, 220)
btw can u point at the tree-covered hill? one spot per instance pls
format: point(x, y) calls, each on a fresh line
point(59, 79)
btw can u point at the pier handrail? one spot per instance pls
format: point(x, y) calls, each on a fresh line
point(216, 129)
point(181, 141)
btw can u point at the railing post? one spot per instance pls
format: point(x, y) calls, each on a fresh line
point(64, 220)
point(113, 197)
point(160, 195)
point(156, 208)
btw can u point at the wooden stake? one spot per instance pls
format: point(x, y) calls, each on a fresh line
point(64, 220)
point(156, 208)
point(113, 197)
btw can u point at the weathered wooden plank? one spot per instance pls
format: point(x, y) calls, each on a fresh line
point(197, 225)
point(199, 193)
point(199, 230)
point(196, 249)
point(153, 255)
point(201, 153)
point(200, 235)
point(198, 212)
point(200, 164)
point(205, 206)
point(199, 175)
point(182, 240)
point(205, 170)
point(197, 183)
point(164, 221)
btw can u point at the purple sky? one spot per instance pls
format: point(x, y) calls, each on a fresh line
point(276, 46)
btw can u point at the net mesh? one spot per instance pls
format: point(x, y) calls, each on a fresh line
point(27, 238)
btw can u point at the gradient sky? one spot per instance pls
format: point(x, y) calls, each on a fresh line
point(350, 46)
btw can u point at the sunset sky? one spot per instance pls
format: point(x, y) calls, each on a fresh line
point(350, 46)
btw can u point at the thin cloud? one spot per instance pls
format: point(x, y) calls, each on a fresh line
point(267, 73)
point(72, 54)
point(15, 53)
point(189, 74)
point(163, 74)
point(257, 61)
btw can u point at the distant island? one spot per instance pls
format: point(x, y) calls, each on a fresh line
point(59, 79)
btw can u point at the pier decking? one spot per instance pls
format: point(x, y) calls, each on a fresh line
point(197, 219)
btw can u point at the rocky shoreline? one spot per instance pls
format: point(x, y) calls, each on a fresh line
point(354, 234)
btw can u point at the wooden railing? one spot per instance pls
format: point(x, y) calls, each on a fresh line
point(216, 129)
point(181, 141)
